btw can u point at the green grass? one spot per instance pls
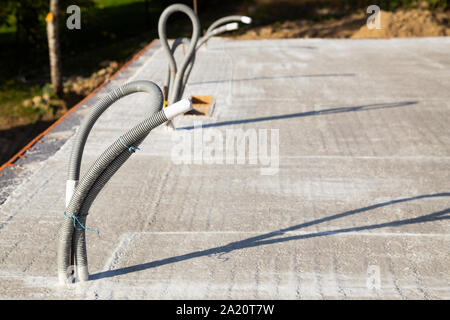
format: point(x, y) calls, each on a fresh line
point(11, 28)
point(12, 94)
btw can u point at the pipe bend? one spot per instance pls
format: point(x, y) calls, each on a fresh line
point(72, 240)
point(174, 89)
point(76, 193)
point(219, 22)
point(83, 132)
point(219, 30)
point(168, 82)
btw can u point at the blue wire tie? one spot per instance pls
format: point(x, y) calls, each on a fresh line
point(131, 149)
point(75, 220)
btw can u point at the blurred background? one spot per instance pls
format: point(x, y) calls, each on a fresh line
point(112, 31)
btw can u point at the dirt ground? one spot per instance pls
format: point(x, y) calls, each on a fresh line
point(399, 24)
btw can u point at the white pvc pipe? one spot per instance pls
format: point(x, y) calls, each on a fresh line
point(246, 20)
point(70, 188)
point(177, 108)
point(232, 26)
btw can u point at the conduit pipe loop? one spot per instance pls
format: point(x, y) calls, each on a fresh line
point(174, 88)
point(215, 32)
point(80, 195)
point(169, 77)
point(215, 29)
point(185, 42)
point(176, 79)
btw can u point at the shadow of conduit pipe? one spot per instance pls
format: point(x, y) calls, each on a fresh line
point(80, 194)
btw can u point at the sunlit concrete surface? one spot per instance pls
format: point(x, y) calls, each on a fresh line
point(363, 187)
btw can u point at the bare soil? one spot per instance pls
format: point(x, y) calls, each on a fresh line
point(402, 23)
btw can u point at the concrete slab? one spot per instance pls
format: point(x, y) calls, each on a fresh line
point(358, 208)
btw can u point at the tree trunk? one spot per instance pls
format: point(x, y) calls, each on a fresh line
point(53, 47)
point(195, 7)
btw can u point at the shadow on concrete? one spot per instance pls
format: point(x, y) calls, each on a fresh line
point(307, 114)
point(270, 238)
point(276, 78)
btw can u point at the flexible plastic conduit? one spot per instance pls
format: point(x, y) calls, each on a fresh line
point(81, 194)
point(215, 29)
point(215, 32)
point(219, 22)
point(186, 42)
point(175, 44)
point(174, 88)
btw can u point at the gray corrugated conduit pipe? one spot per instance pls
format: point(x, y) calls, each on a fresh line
point(215, 32)
point(186, 42)
point(221, 21)
point(176, 75)
point(202, 41)
point(176, 80)
point(175, 44)
point(80, 195)
point(216, 29)
point(173, 90)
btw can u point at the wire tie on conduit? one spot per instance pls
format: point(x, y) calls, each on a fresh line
point(131, 149)
point(75, 220)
